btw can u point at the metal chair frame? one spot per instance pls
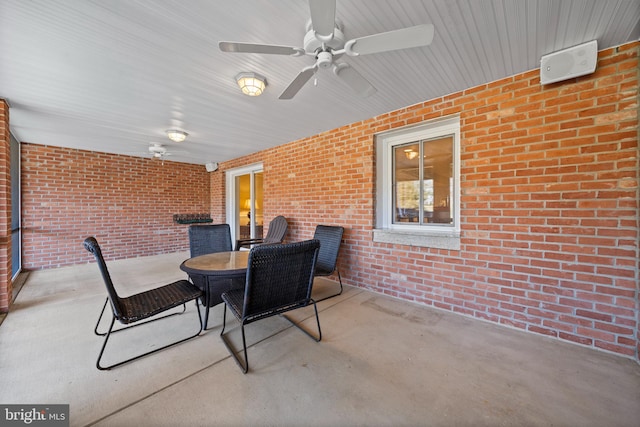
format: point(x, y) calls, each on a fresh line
point(141, 308)
point(279, 279)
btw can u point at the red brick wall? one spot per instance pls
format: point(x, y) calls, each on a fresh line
point(126, 202)
point(217, 201)
point(549, 204)
point(5, 209)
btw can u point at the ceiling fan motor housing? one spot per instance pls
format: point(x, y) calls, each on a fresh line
point(312, 45)
point(157, 150)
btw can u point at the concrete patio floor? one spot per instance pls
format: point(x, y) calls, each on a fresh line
point(381, 362)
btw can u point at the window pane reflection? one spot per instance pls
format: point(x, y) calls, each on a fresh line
point(407, 183)
point(438, 180)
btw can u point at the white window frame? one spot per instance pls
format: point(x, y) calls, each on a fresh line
point(423, 235)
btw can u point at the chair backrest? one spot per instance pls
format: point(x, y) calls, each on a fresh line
point(277, 230)
point(208, 239)
point(91, 245)
point(278, 277)
point(330, 237)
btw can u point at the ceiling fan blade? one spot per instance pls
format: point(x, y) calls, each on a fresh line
point(323, 18)
point(234, 47)
point(297, 83)
point(420, 35)
point(354, 79)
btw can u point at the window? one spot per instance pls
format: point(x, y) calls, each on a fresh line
point(417, 185)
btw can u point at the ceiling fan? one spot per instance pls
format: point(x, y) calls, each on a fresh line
point(324, 40)
point(158, 151)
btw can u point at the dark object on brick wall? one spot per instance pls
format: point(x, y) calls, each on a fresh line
point(192, 218)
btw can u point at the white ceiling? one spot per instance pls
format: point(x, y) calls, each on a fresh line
point(113, 75)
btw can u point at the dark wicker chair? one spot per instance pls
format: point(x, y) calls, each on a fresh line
point(330, 237)
point(277, 230)
point(132, 310)
point(208, 239)
point(279, 279)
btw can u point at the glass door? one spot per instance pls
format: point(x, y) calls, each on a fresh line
point(245, 202)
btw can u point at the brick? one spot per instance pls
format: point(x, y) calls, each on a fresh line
point(115, 193)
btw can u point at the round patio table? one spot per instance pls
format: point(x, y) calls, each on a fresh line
point(216, 274)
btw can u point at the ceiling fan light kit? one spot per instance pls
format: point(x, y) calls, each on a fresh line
point(176, 135)
point(324, 41)
point(251, 84)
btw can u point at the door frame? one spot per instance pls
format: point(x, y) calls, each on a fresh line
point(232, 208)
point(16, 206)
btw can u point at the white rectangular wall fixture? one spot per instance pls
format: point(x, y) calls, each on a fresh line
point(569, 63)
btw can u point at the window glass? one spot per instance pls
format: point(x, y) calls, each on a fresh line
point(406, 183)
point(438, 180)
point(423, 182)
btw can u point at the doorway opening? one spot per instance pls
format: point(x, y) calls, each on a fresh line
point(245, 202)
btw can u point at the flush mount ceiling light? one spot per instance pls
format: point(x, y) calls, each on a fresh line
point(176, 135)
point(251, 84)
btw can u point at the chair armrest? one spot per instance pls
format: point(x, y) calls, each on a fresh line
point(247, 242)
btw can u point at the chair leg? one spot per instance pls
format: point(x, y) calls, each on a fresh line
point(341, 288)
point(110, 330)
point(244, 366)
point(206, 303)
point(95, 330)
point(316, 339)
point(207, 299)
point(104, 344)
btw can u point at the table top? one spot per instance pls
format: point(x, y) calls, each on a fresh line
point(219, 263)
